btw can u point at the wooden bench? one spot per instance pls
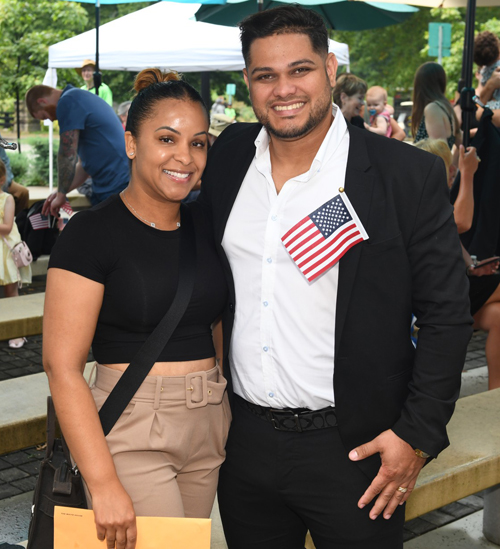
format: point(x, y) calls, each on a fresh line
point(470, 464)
point(40, 266)
point(78, 201)
point(21, 316)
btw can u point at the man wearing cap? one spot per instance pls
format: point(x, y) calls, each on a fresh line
point(86, 71)
point(91, 142)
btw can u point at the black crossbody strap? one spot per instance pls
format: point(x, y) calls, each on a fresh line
point(147, 355)
point(51, 426)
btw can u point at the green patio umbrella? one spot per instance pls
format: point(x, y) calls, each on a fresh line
point(338, 14)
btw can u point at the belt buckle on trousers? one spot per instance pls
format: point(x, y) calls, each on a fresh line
point(286, 413)
point(191, 388)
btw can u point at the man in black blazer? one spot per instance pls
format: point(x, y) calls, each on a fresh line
point(334, 411)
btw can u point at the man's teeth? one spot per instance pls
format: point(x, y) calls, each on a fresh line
point(177, 174)
point(288, 107)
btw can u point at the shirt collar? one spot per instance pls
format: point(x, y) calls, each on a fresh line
point(332, 140)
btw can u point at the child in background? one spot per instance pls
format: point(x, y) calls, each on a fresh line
point(487, 57)
point(10, 275)
point(380, 118)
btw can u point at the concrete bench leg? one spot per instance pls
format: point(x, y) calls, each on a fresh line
point(491, 515)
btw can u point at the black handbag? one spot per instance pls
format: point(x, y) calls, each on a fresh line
point(58, 482)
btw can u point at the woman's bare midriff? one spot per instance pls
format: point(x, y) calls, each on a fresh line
point(173, 368)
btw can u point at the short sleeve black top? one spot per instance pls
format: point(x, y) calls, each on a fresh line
point(138, 266)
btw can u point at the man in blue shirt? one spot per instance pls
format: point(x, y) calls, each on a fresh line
point(91, 143)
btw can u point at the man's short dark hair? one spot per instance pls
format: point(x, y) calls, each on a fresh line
point(292, 19)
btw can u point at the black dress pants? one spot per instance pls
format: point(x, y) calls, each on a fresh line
point(275, 485)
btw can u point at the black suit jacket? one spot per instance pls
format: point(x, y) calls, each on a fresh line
point(412, 262)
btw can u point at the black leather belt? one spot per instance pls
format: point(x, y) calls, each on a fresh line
point(289, 419)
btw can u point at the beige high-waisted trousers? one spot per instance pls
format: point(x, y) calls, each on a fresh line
point(168, 444)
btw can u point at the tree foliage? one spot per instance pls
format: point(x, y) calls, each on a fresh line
point(28, 28)
point(390, 56)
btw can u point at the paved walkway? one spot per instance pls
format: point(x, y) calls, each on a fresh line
point(441, 529)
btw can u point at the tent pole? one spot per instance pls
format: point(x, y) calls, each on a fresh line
point(97, 74)
point(205, 88)
point(467, 93)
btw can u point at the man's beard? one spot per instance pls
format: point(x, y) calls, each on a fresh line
point(322, 109)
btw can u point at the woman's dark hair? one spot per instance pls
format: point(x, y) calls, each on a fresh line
point(486, 48)
point(291, 19)
point(349, 84)
point(429, 86)
point(152, 86)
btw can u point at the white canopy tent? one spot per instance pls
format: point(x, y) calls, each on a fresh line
point(163, 36)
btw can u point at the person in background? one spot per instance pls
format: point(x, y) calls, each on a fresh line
point(380, 117)
point(86, 71)
point(218, 123)
point(112, 277)
point(219, 106)
point(91, 142)
point(484, 280)
point(122, 112)
point(487, 58)
point(432, 114)
point(230, 111)
point(10, 275)
point(349, 94)
point(19, 192)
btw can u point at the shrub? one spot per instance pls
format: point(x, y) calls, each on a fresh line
point(19, 164)
point(39, 169)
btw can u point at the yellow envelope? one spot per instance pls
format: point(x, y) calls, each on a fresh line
point(75, 529)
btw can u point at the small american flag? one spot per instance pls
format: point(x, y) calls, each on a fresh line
point(319, 240)
point(39, 221)
point(67, 208)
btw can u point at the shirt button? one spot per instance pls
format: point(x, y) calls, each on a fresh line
point(265, 349)
point(269, 259)
point(274, 217)
point(271, 395)
point(265, 303)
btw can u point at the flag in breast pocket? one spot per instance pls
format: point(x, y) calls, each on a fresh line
point(317, 242)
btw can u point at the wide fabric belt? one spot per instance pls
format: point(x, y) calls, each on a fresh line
point(297, 420)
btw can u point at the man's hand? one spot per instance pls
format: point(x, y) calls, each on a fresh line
point(400, 469)
point(53, 203)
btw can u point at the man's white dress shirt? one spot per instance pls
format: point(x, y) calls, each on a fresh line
point(282, 346)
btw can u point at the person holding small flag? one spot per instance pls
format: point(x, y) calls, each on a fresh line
point(331, 237)
point(91, 143)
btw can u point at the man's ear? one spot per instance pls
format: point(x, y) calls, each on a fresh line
point(42, 101)
point(245, 76)
point(331, 68)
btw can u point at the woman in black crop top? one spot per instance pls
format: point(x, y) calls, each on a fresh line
point(112, 276)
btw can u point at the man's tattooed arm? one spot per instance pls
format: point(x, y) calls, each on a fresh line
point(67, 159)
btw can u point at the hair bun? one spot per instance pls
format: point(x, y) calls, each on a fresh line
point(148, 77)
